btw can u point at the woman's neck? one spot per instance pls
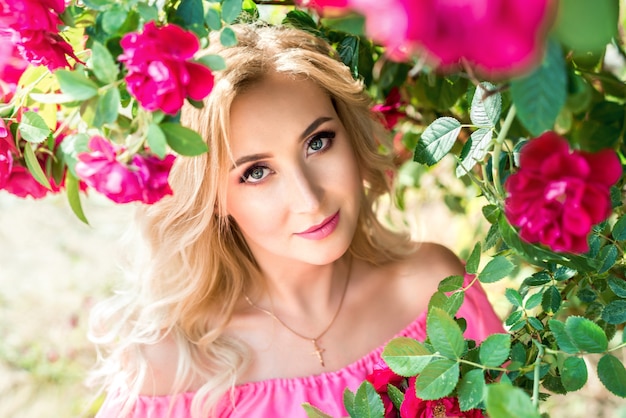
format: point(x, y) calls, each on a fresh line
point(302, 290)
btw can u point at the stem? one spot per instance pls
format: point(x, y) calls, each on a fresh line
point(537, 374)
point(495, 162)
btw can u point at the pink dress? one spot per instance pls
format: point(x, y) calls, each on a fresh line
point(276, 398)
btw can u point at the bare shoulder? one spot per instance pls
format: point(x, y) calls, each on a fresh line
point(161, 359)
point(427, 266)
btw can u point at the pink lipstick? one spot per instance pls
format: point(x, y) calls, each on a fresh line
point(321, 230)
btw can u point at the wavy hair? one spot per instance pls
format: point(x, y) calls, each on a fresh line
point(193, 264)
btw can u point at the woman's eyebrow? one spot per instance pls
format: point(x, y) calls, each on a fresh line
point(313, 126)
point(308, 131)
point(249, 158)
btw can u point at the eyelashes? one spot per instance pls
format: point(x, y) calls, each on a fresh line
point(319, 143)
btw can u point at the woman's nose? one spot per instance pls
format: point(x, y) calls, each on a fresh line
point(305, 192)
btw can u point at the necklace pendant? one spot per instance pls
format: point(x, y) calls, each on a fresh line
point(318, 352)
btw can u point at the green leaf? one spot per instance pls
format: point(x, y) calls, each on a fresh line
point(618, 286)
point(551, 300)
point(367, 402)
point(612, 375)
point(213, 61)
point(396, 395)
point(513, 318)
point(453, 303)
point(451, 283)
point(348, 401)
point(113, 19)
point(537, 279)
point(498, 268)
point(444, 334)
point(102, 64)
point(534, 300)
point(480, 143)
point(183, 140)
point(107, 107)
point(231, 9)
point(562, 338)
point(514, 297)
point(406, 356)
point(352, 23)
point(506, 401)
point(437, 380)
point(71, 146)
point(608, 255)
point(313, 412)
point(540, 96)
point(157, 140)
point(486, 105)
point(34, 167)
point(33, 128)
point(73, 197)
point(573, 373)
point(535, 323)
point(213, 18)
point(619, 229)
point(437, 140)
point(348, 50)
point(471, 389)
point(615, 312)
point(473, 261)
point(228, 37)
point(586, 335)
point(587, 26)
point(495, 350)
point(76, 85)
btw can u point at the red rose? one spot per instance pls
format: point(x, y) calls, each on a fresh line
point(6, 156)
point(381, 377)
point(160, 75)
point(557, 194)
point(390, 110)
point(414, 407)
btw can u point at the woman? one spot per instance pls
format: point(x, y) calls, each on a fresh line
point(268, 280)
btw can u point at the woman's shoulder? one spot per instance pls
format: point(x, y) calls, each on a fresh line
point(429, 263)
point(162, 360)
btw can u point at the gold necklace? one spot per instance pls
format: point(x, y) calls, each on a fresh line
point(317, 350)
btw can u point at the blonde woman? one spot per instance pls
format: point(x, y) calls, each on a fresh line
point(267, 280)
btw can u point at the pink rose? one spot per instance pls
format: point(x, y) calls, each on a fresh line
point(34, 27)
point(558, 194)
point(160, 75)
point(414, 407)
point(12, 65)
point(144, 180)
point(497, 37)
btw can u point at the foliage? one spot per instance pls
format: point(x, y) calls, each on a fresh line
point(570, 305)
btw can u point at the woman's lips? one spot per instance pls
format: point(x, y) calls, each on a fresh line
point(322, 230)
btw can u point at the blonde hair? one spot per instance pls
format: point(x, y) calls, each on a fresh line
point(196, 264)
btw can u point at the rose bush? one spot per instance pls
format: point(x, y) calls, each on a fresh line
point(524, 99)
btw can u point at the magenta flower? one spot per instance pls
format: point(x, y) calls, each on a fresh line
point(6, 155)
point(496, 37)
point(414, 407)
point(144, 180)
point(390, 110)
point(557, 194)
point(34, 28)
point(160, 73)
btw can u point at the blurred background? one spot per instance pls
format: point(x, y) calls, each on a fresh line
point(53, 268)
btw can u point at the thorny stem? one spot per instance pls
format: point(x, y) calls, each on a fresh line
point(495, 162)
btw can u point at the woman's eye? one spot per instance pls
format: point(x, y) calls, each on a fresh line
point(320, 142)
point(255, 174)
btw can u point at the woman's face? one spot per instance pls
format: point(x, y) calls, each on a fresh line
point(295, 187)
